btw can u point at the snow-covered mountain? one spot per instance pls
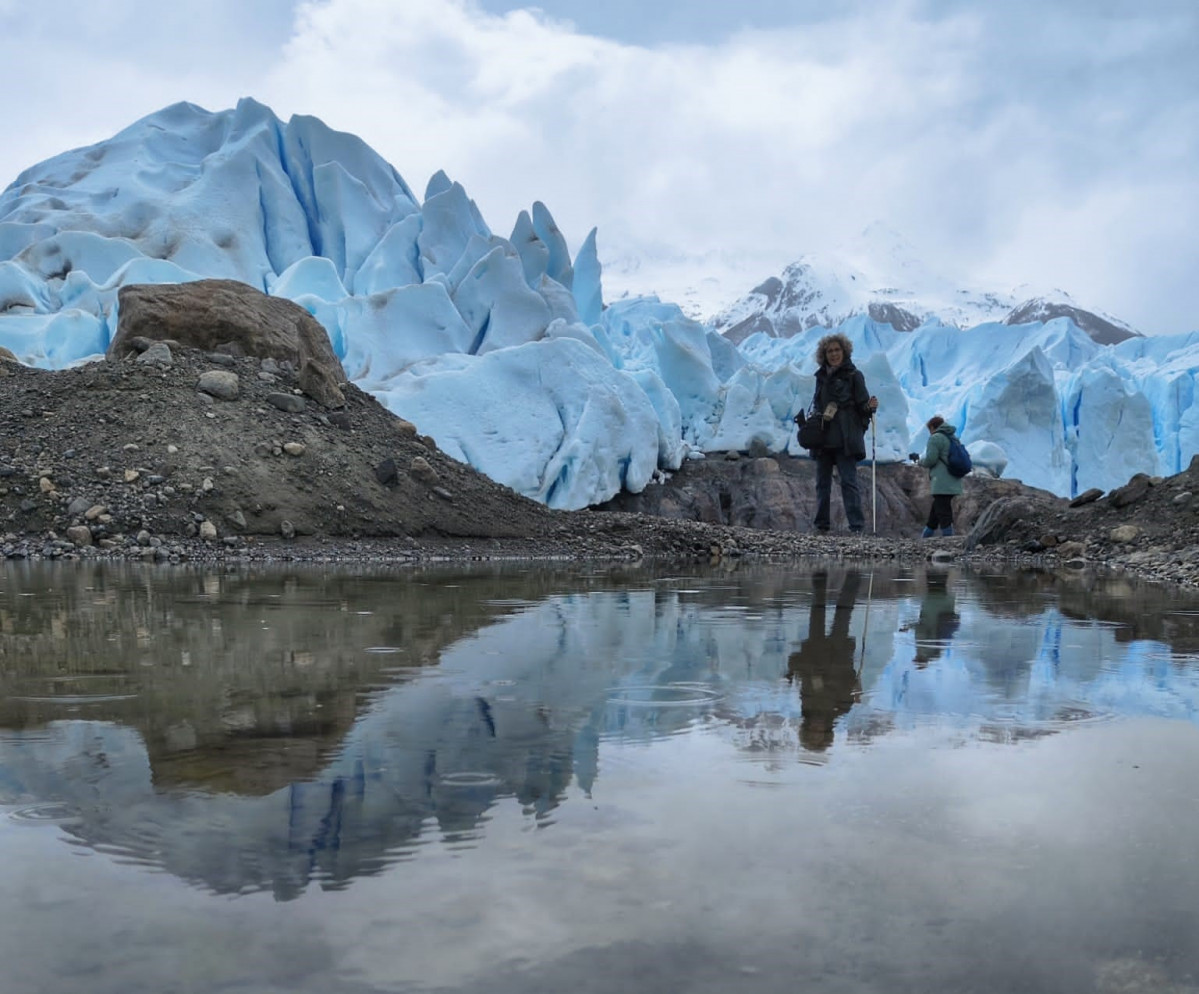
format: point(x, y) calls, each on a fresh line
point(881, 278)
point(700, 283)
point(502, 348)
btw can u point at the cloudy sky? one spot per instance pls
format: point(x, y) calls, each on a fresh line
point(1049, 142)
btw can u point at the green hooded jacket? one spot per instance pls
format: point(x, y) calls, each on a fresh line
point(935, 454)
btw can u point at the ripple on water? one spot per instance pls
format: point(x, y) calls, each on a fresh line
point(659, 695)
point(469, 779)
point(46, 813)
point(72, 699)
point(1071, 713)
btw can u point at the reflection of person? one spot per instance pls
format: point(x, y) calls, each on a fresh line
point(944, 485)
point(846, 405)
point(824, 664)
point(938, 620)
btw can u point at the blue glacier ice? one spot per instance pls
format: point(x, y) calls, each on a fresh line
point(502, 348)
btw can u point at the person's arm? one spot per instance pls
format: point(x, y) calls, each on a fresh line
point(932, 452)
point(863, 402)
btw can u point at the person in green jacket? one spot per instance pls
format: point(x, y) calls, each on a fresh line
point(938, 620)
point(945, 486)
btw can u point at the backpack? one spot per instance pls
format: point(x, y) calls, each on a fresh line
point(957, 459)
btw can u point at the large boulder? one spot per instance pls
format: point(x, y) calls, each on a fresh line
point(233, 317)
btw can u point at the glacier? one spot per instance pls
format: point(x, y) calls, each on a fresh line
point(503, 349)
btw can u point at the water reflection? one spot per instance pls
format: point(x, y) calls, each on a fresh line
point(826, 663)
point(268, 731)
point(938, 618)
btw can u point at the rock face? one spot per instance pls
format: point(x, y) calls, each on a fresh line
point(1102, 330)
point(232, 318)
point(779, 492)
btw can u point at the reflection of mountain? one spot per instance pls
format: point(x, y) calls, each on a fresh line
point(321, 760)
point(234, 682)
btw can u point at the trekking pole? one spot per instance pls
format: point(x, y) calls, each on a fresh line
point(873, 485)
point(866, 623)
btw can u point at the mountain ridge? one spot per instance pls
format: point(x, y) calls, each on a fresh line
point(825, 292)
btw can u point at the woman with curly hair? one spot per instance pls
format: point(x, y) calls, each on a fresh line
point(846, 406)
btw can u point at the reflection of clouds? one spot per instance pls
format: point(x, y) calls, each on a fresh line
point(522, 708)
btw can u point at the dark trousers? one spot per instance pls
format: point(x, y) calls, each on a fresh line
point(940, 515)
point(847, 470)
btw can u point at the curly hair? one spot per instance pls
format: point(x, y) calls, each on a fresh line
point(837, 338)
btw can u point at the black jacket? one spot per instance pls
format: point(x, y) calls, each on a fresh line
point(845, 386)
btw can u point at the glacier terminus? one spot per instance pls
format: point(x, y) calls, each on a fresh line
point(502, 348)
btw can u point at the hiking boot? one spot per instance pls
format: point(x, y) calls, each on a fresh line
point(928, 533)
point(947, 532)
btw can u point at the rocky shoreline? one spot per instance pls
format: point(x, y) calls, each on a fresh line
point(592, 539)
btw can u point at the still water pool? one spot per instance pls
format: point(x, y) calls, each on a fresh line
point(816, 778)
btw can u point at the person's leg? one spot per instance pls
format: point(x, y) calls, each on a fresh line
point(846, 598)
point(930, 526)
point(946, 513)
point(847, 469)
point(937, 515)
point(824, 489)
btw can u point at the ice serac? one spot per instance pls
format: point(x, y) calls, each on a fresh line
point(451, 221)
point(497, 304)
point(394, 261)
point(552, 420)
point(587, 290)
point(1109, 427)
point(649, 334)
point(558, 267)
point(534, 253)
point(987, 458)
point(1018, 410)
point(387, 333)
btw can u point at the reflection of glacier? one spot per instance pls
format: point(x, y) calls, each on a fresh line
point(1042, 671)
point(520, 710)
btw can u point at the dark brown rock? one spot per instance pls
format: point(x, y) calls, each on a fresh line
point(1015, 519)
point(1134, 490)
point(1086, 497)
point(289, 402)
point(386, 472)
point(236, 319)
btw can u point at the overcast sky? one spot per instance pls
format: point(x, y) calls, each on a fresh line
point(1053, 142)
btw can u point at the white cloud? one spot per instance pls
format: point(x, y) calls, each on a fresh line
point(76, 71)
point(959, 130)
point(985, 133)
